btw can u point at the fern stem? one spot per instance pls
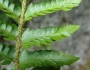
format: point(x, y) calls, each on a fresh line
point(18, 39)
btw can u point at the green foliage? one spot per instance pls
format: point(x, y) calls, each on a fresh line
point(8, 31)
point(46, 68)
point(46, 35)
point(10, 9)
point(45, 58)
point(6, 54)
point(43, 8)
point(42, 59)
point(15, 1)
point(6, 19)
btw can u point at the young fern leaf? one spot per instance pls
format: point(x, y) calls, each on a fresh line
point(43, 8)
point(45, 58)
point(8, 31)
point(6, 54)
point(10, 9)
point(46, 35)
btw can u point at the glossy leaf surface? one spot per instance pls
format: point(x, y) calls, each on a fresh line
point(10, 9)
point(45, 58)
point(46, 35)
point(8, 31)
point(43, 8)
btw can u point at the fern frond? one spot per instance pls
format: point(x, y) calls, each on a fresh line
point(6, 54)
point(46, 35)
point(45, 58)
point(10, 9)
point(8, 31)
point(43, 8)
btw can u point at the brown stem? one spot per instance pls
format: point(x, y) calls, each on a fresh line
point(18, 39)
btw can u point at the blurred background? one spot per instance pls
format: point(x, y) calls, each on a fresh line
point(79, 43)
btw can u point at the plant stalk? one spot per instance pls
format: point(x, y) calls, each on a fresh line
point(18, 38)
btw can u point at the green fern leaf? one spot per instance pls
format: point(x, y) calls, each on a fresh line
point(45, 58)
point(46, 35)
point(8, 31)
point(10, 9)
point(6, 54)
point(46, 68)
point(4, 18)
point(43, 8)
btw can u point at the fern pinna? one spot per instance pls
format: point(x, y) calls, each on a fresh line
point(8, 31)
point(46, 35)
point(45, 58)
point(10, 9)
point(43, 8)
point(25, 38)
point(6, 53)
